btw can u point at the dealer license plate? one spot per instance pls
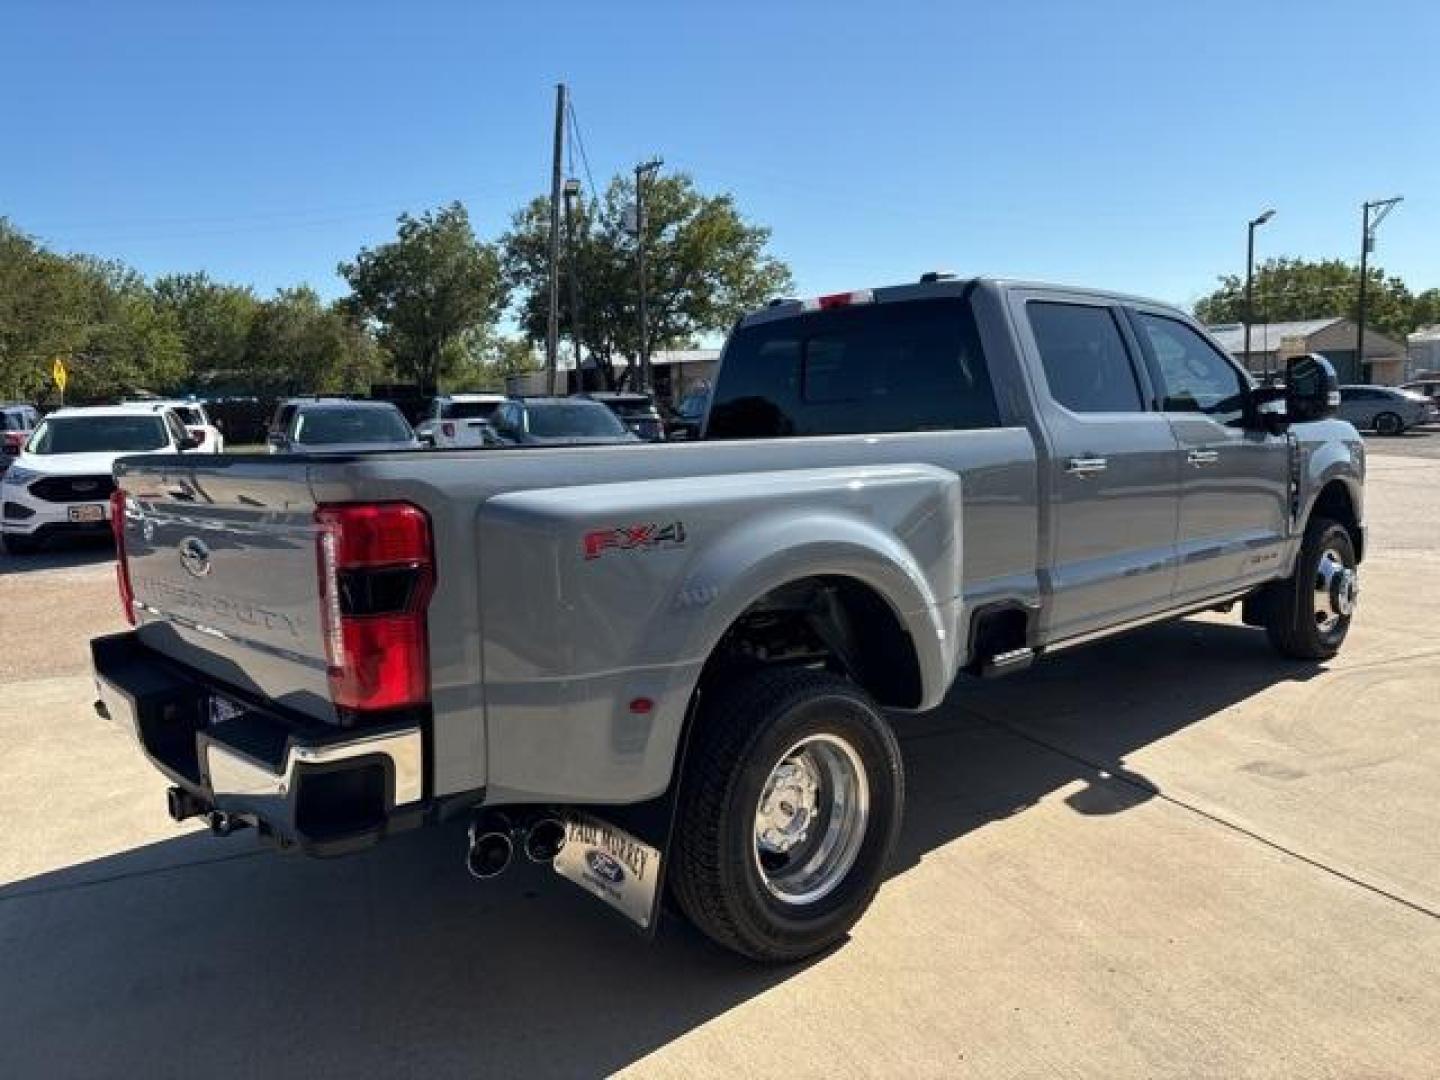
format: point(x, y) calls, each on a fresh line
point(611, 864)
point(94, 512)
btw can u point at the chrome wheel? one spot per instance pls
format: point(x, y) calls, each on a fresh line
point(1337, 587)
point(810, 820)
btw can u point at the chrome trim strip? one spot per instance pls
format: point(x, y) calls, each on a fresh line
point(232, 773)
point(1146, 620)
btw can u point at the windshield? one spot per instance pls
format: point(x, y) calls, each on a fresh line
point(468, 410)
point(320, 427)
point(572, 419)
point(99, 434)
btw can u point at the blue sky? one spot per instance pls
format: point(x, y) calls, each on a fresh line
point(1112, 144)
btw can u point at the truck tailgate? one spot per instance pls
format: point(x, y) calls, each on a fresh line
point(222, 561)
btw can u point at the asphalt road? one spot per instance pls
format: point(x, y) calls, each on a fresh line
point(1170, 854)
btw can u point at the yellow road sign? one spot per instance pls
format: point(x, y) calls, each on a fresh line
point(59, 374)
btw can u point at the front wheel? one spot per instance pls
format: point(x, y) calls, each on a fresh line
point(789, 810)
point(1389, 424)
point(1308, 615)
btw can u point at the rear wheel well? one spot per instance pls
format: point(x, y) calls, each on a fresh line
point(836, 623)
point(1334, 502)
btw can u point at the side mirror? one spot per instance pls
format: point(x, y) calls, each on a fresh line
point(1312, 390)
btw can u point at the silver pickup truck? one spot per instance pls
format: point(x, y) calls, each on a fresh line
point(671, 670)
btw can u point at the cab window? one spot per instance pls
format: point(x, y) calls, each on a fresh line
point(1192, 376)
point(1087, 366)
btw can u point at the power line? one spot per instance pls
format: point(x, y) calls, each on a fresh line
point(580, 143)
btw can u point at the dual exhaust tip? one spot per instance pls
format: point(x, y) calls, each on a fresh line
point(494, 837)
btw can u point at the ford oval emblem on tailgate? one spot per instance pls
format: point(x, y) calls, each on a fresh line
point(605, 866)
point(194, 556)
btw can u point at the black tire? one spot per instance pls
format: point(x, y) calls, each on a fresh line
point(21, 545)
point(1291, 618)
point(744, 731)
point(1387, 423)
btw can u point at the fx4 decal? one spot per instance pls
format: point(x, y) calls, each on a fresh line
point(646, 537)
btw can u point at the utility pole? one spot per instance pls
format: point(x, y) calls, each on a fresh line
point(552, 326)
point(1250, 285)
point(643, 170)
point(572, 192)
point(1367, 244)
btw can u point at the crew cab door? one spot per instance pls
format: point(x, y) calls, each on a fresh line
point(1234, 477)
point(1111, 467)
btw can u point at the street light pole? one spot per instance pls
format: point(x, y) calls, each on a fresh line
point(644, 169)
point(1367, 244)
point(1250, 285)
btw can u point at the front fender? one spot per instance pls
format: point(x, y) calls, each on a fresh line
point(1331, 451)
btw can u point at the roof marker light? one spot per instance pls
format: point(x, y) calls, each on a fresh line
point(838, 300)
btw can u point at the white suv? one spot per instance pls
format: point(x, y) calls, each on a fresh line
point(61, 481)
point(458, 419)
point(197, 422)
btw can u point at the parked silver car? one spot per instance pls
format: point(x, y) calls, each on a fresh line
point(1387, 410)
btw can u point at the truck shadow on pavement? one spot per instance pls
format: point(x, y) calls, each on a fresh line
point(208, 957)
point(59, 554)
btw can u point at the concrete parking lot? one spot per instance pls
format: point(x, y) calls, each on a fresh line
point(1169, 854)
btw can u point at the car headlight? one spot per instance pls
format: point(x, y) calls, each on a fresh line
point(18, 474)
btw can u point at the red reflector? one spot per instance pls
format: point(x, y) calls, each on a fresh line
point(122, 568)
point(834, 300)
point(384, 663)
point(448, 429)
point(642, 706)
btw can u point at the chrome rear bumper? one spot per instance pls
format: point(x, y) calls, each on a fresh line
point(326, 790)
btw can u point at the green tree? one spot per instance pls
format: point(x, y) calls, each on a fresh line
point(706, 265)
point(1426, 309)
point(214, 320)
point(1288, 289)
point(299, 344)
point(426, 290)
point(129, 342)
point(42, 313)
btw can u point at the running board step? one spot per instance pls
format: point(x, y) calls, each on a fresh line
point(1006, 663)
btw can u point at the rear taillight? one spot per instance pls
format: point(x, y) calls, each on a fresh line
point(376, 576)
point(448, 429)
point(122, 568)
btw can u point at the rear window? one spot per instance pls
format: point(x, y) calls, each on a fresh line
point(572, 419)
point(332, 427)
point(468, 410)
point(637, 408)
point(100, 434)
point(189, 416)
point(913, 365)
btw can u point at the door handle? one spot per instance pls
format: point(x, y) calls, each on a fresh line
point(1084, 466)
point(1202, 457)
